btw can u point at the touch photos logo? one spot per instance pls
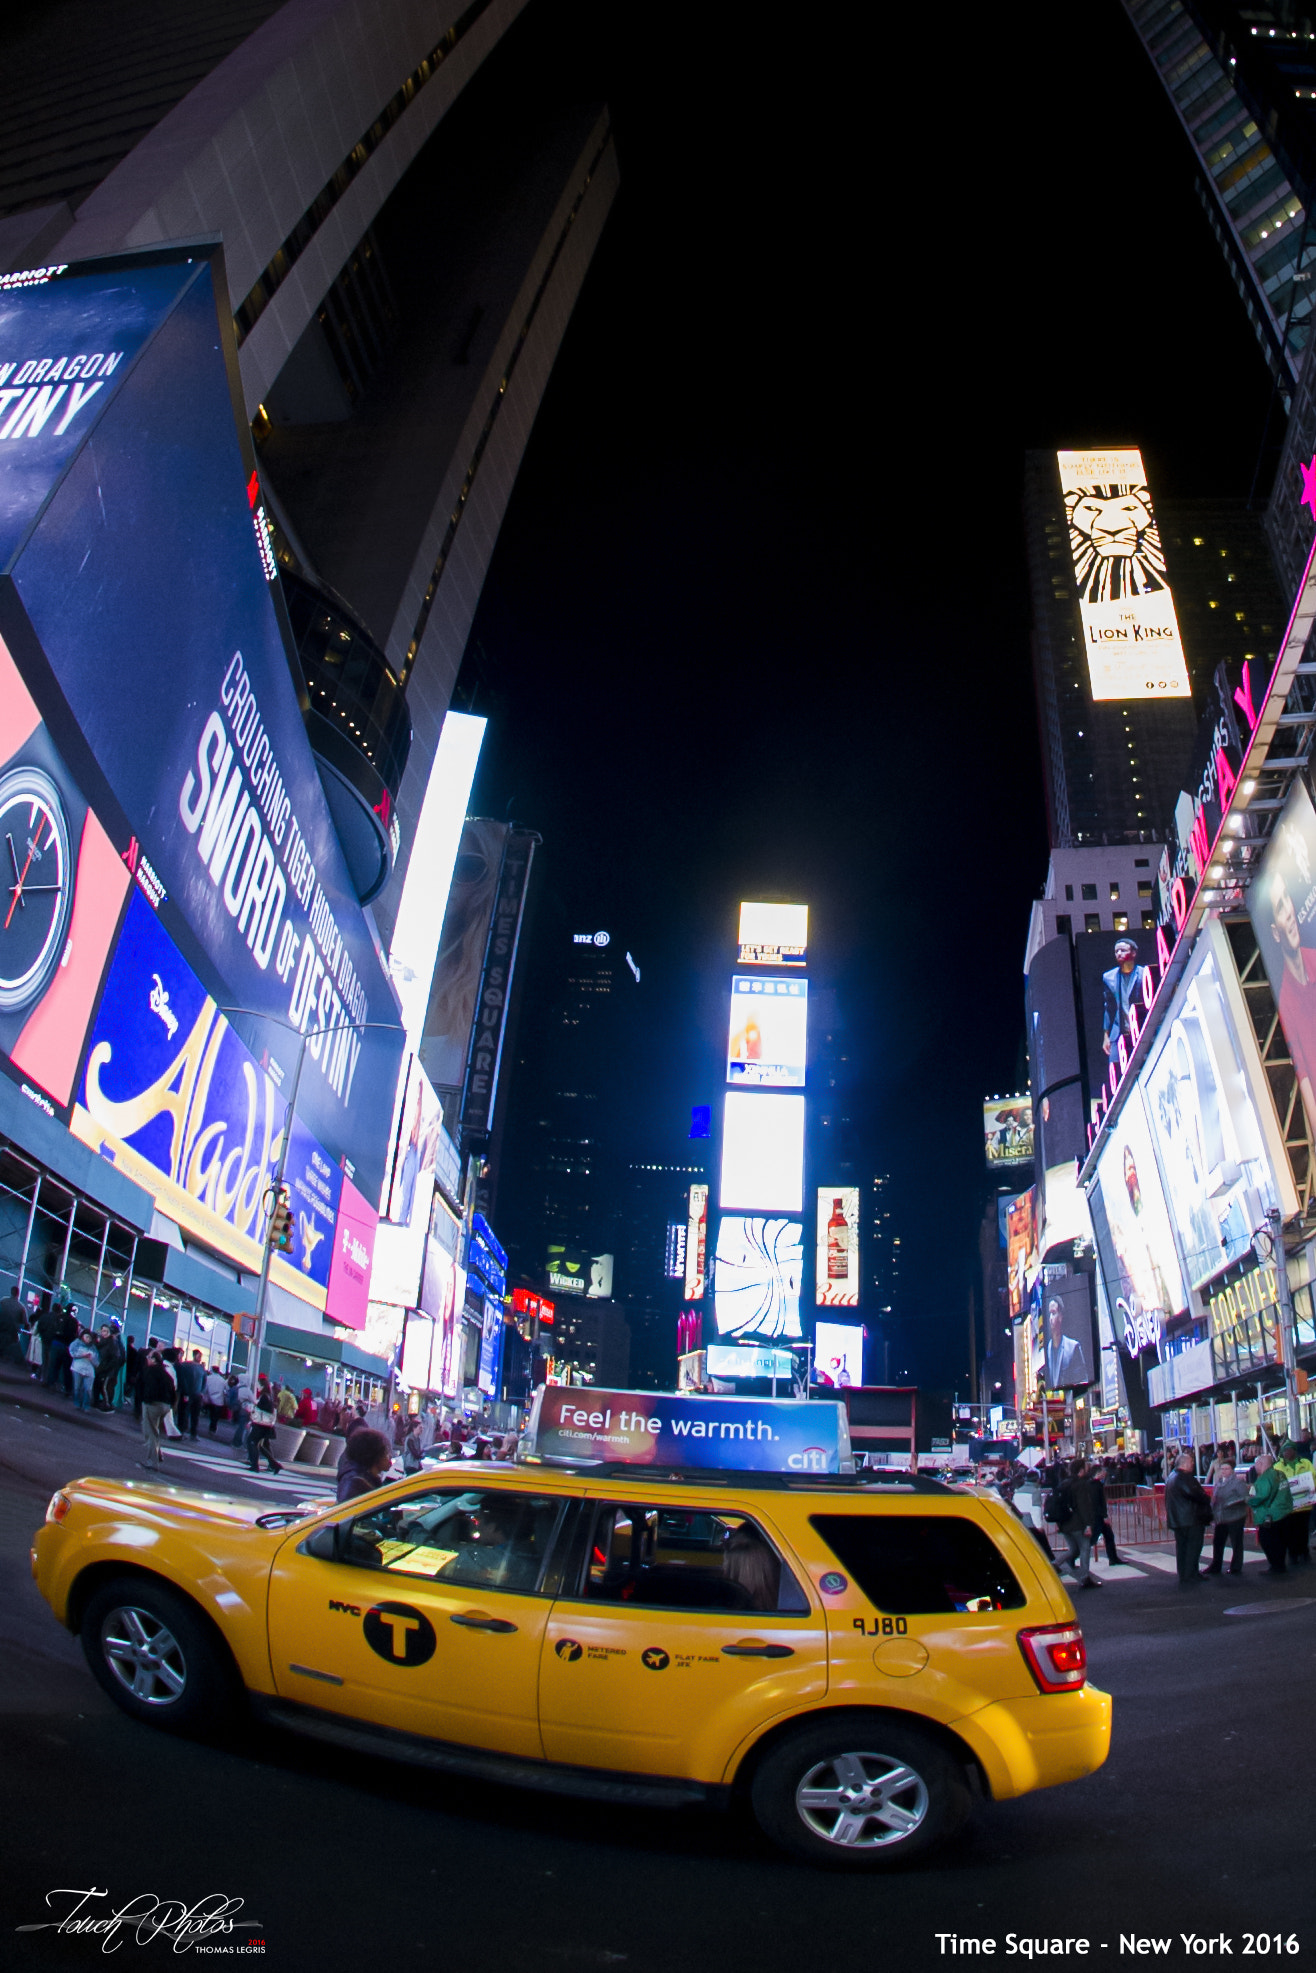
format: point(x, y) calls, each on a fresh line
point(211, 1925)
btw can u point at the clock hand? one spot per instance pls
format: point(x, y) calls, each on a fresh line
point(12, 858)
point(22, 876)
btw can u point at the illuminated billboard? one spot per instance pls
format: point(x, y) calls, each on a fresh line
point(1021, 1247)
point(1130, 632)
point(1131, 1224)
point(766, 1043)
point(573, 1271)
point(762, 1152)
point(836, 1267)
point(744, 1360)
point(696, 1243)
point(1205, 1127)
point(1007, 1129)
point(674, 1258)
point(774, 934)
point(1068, 1345)
point(838, 1353)
point(417, 1348)
point(462, 941)
point(756, 1276)
point(152, 740)
point(1282, 904)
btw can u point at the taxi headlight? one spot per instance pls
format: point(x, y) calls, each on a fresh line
point(60, 1504)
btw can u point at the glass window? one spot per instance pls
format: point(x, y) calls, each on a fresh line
point(921, 1564)
point(1114, 890)
point(480, 1538)
point(681, 1559)
point(1063, 924)
point(1090, 893)
point(1120, 921)
point(1144, 887)
point(1069, 893)
point(1149, 921)
point(1092, 921)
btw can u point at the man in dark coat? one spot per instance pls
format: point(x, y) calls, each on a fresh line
point(13, 1319)
point(1188, 1514)
point(109, 1358)
point(191, 1385)
point(1079, 1524)
point(65, 1331)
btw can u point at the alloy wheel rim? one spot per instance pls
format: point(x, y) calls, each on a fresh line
point(862, 1801)
point(144, 1655)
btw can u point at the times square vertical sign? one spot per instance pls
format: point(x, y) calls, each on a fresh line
point(180, 941)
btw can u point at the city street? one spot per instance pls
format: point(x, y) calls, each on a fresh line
point(1198, 1824)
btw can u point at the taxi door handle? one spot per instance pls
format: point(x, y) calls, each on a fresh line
point(757, 1651)
point(482, 1623)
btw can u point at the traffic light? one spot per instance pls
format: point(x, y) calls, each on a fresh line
point(280, 1235)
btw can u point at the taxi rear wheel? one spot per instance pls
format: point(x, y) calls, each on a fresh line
point(154, 1655)
point(859, 1794)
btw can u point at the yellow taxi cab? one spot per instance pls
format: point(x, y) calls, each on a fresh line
point(856, 1659)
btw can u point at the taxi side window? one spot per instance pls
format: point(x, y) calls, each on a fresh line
point(675, 1559)
point(479, 1538)
point(921, 1564)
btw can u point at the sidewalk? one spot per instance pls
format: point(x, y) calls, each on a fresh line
point(110, 1444)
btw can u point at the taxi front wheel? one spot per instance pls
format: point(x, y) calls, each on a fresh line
point(859, 1793)
point(155, 1657)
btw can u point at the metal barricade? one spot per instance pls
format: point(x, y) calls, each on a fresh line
point(1138, 1517)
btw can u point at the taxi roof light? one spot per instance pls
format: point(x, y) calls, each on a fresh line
point(1056, 1656)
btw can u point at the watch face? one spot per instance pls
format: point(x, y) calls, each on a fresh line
point(36, 885)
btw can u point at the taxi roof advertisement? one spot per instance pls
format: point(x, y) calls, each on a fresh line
point(578, 1425)
point(137, 576)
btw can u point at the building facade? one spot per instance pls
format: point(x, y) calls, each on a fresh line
point(406, 199)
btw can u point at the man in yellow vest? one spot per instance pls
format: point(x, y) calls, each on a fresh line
point(1295, 1465)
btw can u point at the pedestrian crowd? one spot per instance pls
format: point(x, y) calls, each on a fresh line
point(1279, 1491)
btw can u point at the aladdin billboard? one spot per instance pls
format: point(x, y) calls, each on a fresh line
point(182, 942)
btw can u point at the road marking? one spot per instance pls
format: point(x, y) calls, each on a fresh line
point(1274, 1609)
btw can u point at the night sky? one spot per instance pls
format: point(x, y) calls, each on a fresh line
point(757, 620)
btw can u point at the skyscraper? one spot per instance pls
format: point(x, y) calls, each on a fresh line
point(409, 196)
point(1242, 83)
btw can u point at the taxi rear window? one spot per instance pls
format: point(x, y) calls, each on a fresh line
point(921, 1564)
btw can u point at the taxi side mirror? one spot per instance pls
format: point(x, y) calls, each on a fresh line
point(323, 1544)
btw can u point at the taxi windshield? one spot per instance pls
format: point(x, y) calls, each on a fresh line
point(480, 1537)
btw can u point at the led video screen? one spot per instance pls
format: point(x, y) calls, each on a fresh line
point(762, 1153)
point(1130, 631)
point(836, 1264)
point(696, 1243)
point(756, 1276)
point(1135, 1243)
point(838, 1353)
point(774, 934)
point(1282, 904)
point(766, 1043)
point(1218, 1183)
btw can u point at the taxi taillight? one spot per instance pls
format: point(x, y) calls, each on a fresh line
point(1056, 1656)
point(60, 1504)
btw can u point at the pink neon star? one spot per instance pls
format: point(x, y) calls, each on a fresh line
point(1308, 487)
